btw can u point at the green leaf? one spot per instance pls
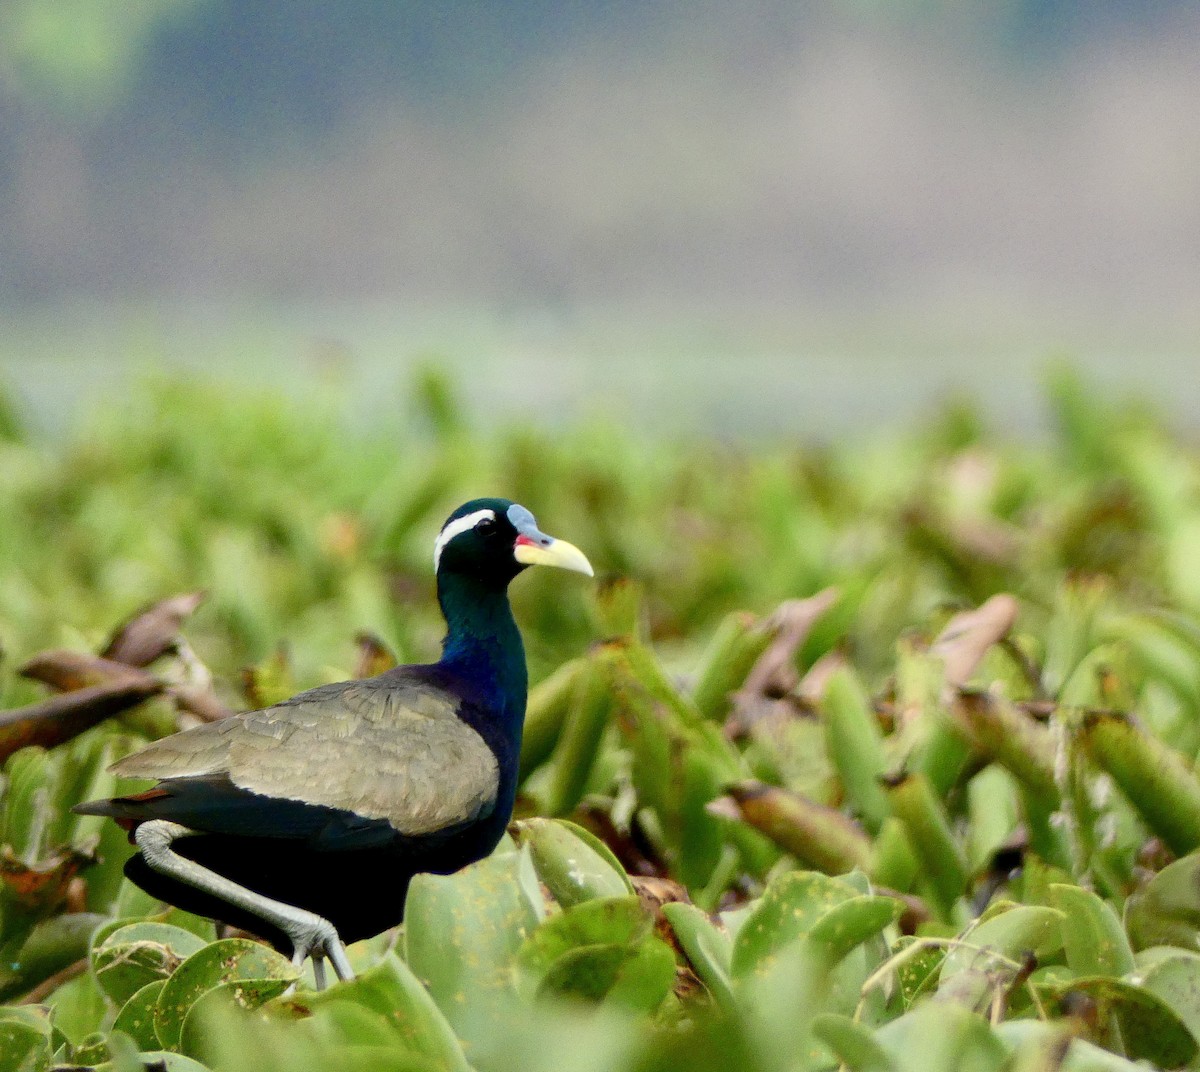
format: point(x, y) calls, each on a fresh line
point(136, 1017)
point(1173, 976)
point(390, 991)
point(133, 955)
point(1130, 1017)
point(1093, 937)
point(852, 1043)
point(226, 961)
point(851, 923)
point(941, 1038)
point(636, 976)
point(462, 933)
point(239, 996)
point(1167, 910)
point(790, 907)
point(991, 955)
point(611, 921)
point(574, 864)
point(856, 746)
point(25, 1039)
point(709, 949)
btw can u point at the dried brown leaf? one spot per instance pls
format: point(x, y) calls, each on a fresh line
point(65, 716)
point(44, 884)
point(774, 674)
point(152, 631)
point(68, 671)
point(374, 656)
point(965, 640)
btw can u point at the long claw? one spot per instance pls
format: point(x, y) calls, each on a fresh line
point(318, 971)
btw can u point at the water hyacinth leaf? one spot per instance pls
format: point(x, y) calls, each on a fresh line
point(895, 864)
point(707, 947)
point(1155, 778)
point(574, 864)
point(617, 921)
point(817, 835)
point(851, 923)
point(701, 833)
point(79, 1005)
point(1093, 938)
point(239, 996)
point(546, 711)
point(391, 992)
point(991, 956)
point(29, 774)
point(1002, 732)
point(735, 646)
point(1038, 1046)
point(1166, 911)
point(127, 1060)
point(852, 1043)
point(940, 1038)
point(136, 1017)
point(855, 745)
point(993, 808)
point(133, 955)
point(462, 934)
point(25, 1039)
point(925, 821)
point(637, 976)
point(1173, 976)
point(915, 964)
point(1128, 1017)
point(790, 907)
point(1162, 652)
point(229, 960)
point(579, 740)
point(44, 950)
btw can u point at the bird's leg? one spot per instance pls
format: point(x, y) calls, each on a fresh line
point(310, 934)
point(318, 971)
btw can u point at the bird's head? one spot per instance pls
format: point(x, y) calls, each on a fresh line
point(494, 539)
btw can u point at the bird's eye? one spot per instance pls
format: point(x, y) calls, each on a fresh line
point(487, 526)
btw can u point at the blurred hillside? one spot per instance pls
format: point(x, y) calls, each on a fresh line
point(999, 159)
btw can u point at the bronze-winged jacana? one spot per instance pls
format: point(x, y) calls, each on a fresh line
point(304, 822)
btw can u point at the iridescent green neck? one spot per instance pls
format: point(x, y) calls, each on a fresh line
point(482, 641)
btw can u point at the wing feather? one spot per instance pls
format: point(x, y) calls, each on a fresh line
point(410, 759)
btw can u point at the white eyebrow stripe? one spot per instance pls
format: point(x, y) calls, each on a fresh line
point(453, 528)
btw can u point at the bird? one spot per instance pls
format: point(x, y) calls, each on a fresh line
point(304, 822)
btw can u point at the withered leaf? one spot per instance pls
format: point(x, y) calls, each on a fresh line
point(965, 640)
point(152, 631)
point(374, 656)
point(774, 675)
point(67, 670)
point(199, 701)
point(46, 883)
point(65, 716)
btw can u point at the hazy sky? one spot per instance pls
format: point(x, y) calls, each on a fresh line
point(1003, 157)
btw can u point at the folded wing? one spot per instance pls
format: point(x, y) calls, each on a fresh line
point(381, 749)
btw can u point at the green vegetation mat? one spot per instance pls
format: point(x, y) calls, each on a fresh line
point(878, 756)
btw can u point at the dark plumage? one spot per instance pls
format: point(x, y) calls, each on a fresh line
point(331, 801)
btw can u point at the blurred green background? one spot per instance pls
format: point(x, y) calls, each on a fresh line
point(758, 218)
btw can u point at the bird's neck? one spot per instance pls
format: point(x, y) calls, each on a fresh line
point(482, 642)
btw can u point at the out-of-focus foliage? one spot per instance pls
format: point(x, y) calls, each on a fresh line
point(879, 756)
point(78, 54)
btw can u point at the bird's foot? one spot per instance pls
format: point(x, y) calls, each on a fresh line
point(314, 936)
